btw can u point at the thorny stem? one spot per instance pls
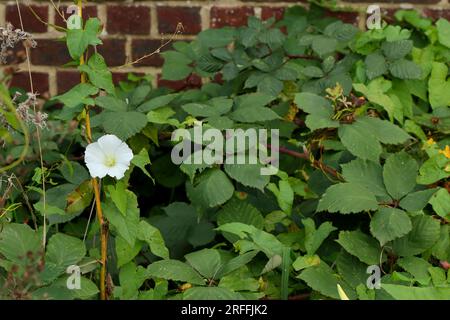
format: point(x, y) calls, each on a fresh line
point(306, 155)
point(38, 135)
point(98, 206)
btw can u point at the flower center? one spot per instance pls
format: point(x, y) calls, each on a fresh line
point(110, 161)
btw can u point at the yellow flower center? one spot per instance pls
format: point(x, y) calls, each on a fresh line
point(110, 161)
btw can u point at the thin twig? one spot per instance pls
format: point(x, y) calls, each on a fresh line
point(38, 133)
point(178, 30)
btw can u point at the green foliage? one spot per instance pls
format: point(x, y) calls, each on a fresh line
point(364, 123)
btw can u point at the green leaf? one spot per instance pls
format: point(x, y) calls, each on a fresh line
point(439, 86)
point(176, 65)
point(242, 211)
point(424, 234)
point(416, 201)
point(322, 279)
point(126, 225)
point(443, 28)
point(417, 267)
point(256, 114)
point(347, 198)
point(142, 159)
point(361, 245)
point(79, 39)
point(119, 196)
point(390, 223)
point(319, 109)
point(397, 49)
point(351, 269)
point(236, 263)
point(98, 73)
point(125, 252)
point(375, 65)
point(123, 124)
point(111, 103)
point(16, 240)
point(157, 102)
point(324, 45)
point(174, 270)
point(400, 292)
point(211, 293)
point(79, 94)
point(441, 203)
point(265, 242)
point(405, 69)
point(366, 173)
point(212, 188)
point(207, 262)
point(248, 175)
point(214, 107)
point(360, 141)
point(313, 237)
point(153, 238)
point(64, 250)
point(385, 131)
point(284, 194)
point(400, 173)
point(163, 116)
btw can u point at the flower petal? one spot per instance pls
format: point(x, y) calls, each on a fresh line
point(109, 143)
point(124, 154)
point(97, 169)
point(94, 153)
point(117, 171)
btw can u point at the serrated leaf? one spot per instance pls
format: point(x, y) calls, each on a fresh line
point(123, 124)
point(405, 69)
point(375, 65)
point(366, 173)
point(174, 270)
point(347, 198)
point(424, 234)
point(385, 131)
point(388, 224)
point(362, 246)
point(248, 175)
point(360, 141)
point(397, 49)
point(400, 173)
point(18, 239)
point(213, 188)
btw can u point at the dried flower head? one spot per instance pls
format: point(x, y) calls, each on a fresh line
point(10, 37)
point(27, 110)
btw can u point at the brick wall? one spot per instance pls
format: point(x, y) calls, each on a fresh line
point(135, 28)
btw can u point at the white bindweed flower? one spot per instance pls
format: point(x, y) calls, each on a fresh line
point(108, 156)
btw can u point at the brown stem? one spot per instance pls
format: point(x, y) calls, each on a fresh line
point(98, 205)
point(306, 156)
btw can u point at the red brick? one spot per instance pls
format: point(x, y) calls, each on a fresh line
point(40, 82)
point(50, 52)
point(66, 80)
point(191, 82)
point(143, 47)
point(436, 14)
point(30, 22)
point(123, 19)
point(88, 12)
point(344, 16)
point(113, 50)
point(235, 17)
point(169, 17)
point(269, 12)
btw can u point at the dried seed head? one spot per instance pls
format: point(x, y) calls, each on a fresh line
point(9, 38)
